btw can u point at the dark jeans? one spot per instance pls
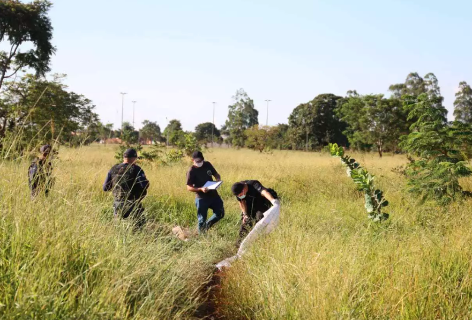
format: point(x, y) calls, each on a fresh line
point(41, 187)
point(37, 190)
point(247, 226)
point(203, 204)
point(128, 208)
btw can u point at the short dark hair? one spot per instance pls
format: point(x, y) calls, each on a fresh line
point(237, 188)
point(45, 148)
point(197, 155)
point(130, 153)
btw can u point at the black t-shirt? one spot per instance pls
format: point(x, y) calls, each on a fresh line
point(255, 201)
point(197, 177)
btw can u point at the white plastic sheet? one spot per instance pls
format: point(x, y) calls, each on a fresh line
point(264, 226)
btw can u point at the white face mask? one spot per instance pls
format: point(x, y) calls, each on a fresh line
point(242, 197)
point(198, 164)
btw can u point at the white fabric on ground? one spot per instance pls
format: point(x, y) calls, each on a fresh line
point(264, 226)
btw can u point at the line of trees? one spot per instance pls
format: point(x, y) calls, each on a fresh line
point(371, 122)
point(45, 109)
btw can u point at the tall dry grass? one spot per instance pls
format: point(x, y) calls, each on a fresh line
point(327, 261)
point(65, 257)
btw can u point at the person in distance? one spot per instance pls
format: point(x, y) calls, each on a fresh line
point(40, 172)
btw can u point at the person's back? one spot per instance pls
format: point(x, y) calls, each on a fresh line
point(40, 172)
point(129, 185)
point(126, 182)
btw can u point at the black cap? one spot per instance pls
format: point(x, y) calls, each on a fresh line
point(197, 155)
point(45, 148)
point(237, 188)
point(130, 153)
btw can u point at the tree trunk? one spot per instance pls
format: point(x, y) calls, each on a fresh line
point(379, 149)
point(3, 129)
point(2, 78)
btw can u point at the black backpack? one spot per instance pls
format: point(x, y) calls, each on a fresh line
point(124, 182)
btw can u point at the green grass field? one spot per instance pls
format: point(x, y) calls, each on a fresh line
point(65, 257)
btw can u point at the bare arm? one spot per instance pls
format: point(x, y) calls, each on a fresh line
point(217, 177)
point(193, 189)
point(268, 196)
point(243, 206)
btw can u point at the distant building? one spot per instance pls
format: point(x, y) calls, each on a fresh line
point(111, 141)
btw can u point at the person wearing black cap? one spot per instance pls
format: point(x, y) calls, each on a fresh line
point(40, 172)
point(254, 199)
point(129, 185)
point(199, 173)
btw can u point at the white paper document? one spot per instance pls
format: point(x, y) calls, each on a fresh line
point(265, 225)
point(212, 185)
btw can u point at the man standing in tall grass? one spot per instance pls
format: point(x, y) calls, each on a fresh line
point(40, 172)
point(199, 173)
point(129, 185)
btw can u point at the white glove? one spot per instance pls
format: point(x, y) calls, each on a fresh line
point(276, 202)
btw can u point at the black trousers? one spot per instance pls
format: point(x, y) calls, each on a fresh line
point(132, 209)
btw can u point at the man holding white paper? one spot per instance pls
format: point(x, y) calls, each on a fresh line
point(200, 180)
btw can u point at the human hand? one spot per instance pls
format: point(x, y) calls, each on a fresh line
point(204, 190)
point(245, 218)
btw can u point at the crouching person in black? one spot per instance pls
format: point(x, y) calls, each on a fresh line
point(254, 199)
point(129, 185)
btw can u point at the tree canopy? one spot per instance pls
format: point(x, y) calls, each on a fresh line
point(463, 104)
point(241, 116)
point(173, 132)
point(372, 120)
point(33, 106)
point(150, 131)
point(315, 123)
point(25, 25)
point(204, 132)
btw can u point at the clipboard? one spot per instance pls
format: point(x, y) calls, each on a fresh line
point(212, 185)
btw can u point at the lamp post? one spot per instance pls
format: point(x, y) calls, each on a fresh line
point(267, 116)
point(134, 103)
point(122, 106)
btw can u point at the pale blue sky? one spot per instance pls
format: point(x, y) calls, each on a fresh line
point(176, 57)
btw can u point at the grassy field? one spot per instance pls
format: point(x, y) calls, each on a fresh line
point(65, 257)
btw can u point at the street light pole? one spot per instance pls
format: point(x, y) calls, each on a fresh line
point(213, 123)
point(267, 116)
point(122, 105)
point(134, 102)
